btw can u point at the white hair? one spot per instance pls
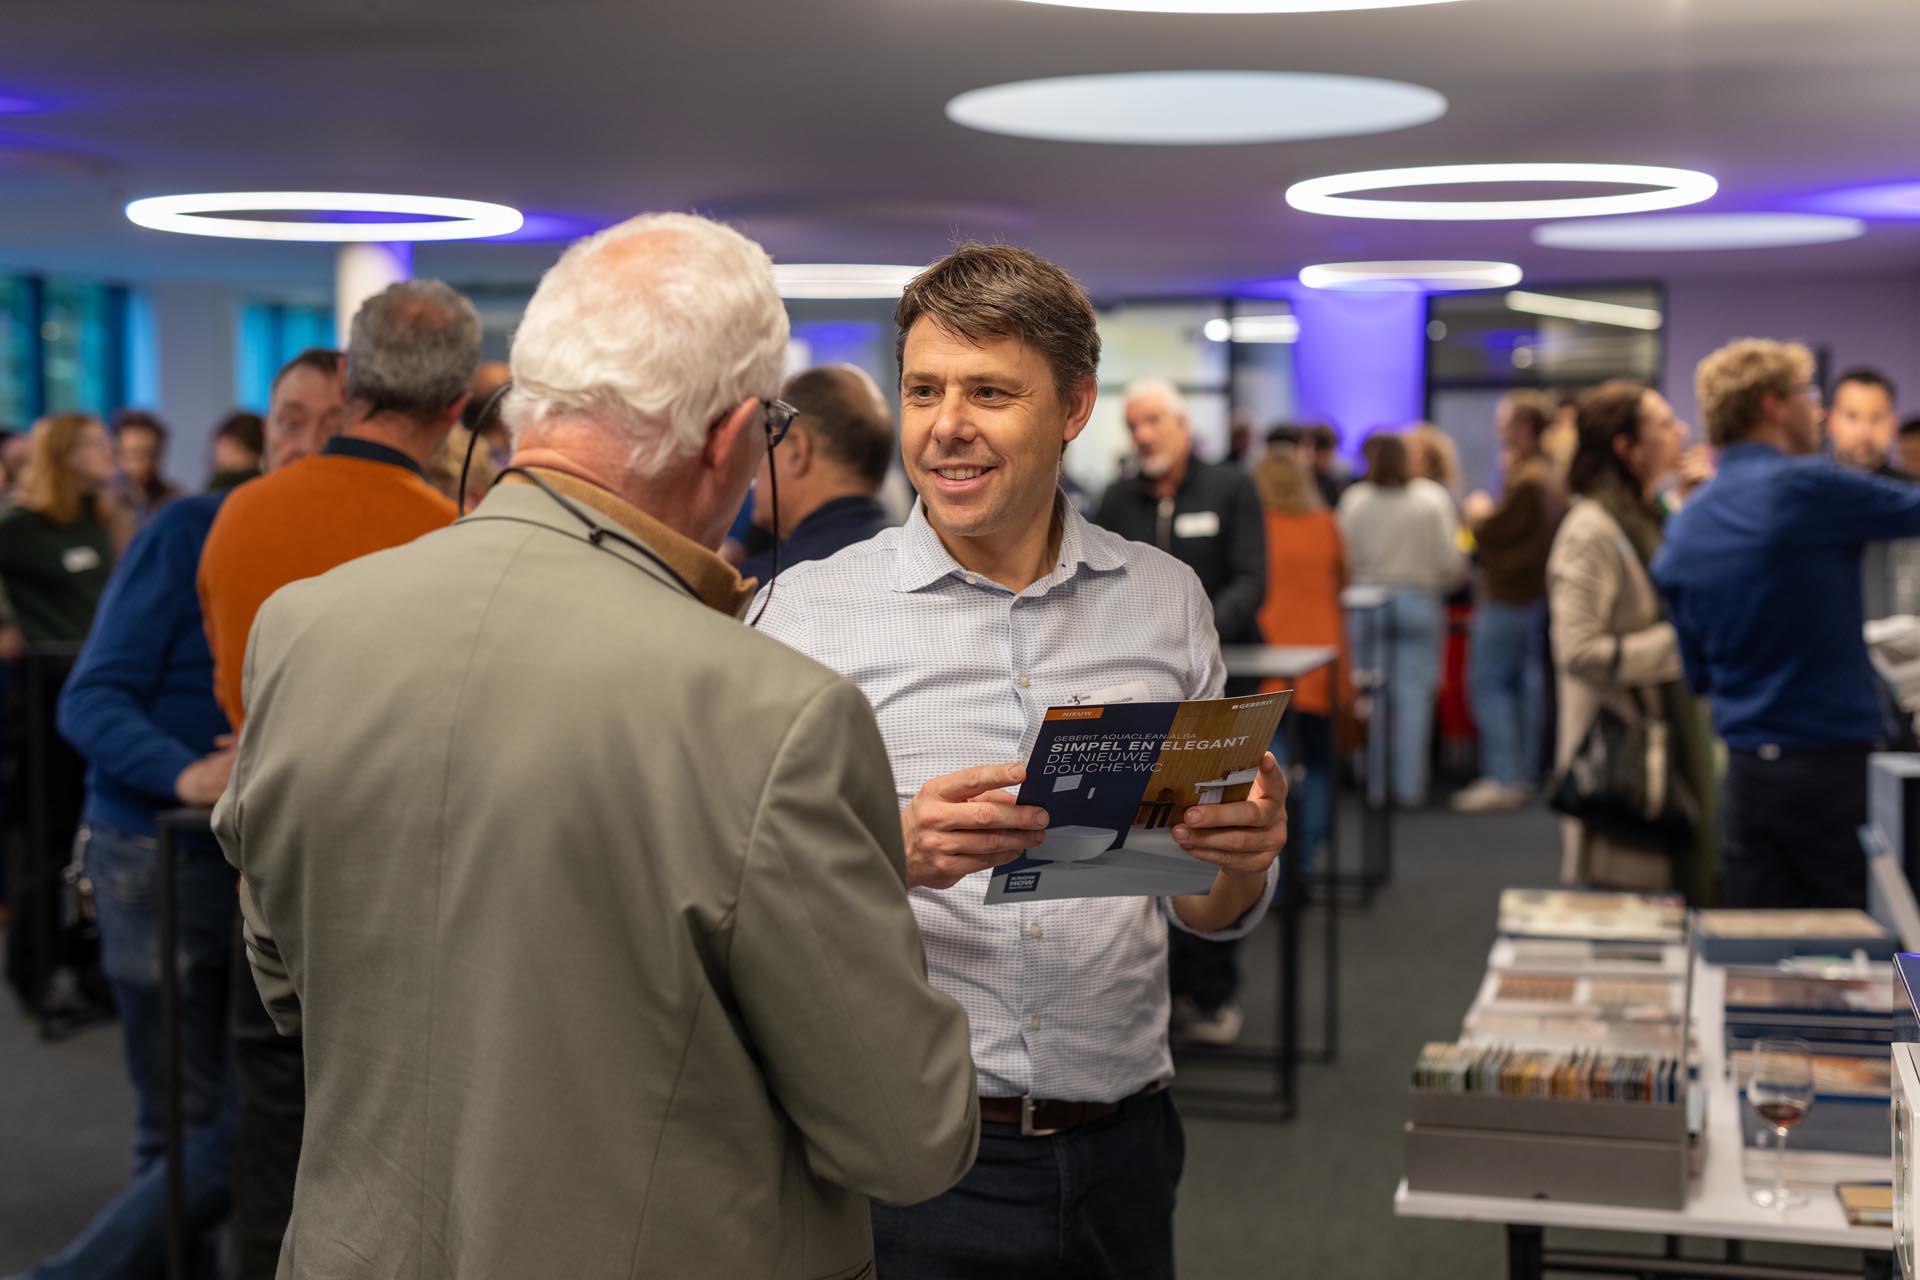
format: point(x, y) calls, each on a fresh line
point(652, 328)
point(1141, 388)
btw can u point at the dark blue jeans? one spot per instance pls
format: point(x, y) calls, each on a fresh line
point(1095, 1203)
point(127, 1238)
point(1509, 690)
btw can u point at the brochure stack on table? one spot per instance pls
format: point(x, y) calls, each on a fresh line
point(1570, 1079)
point(1844, 1013)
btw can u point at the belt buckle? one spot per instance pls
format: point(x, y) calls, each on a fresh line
point(1027, 1128)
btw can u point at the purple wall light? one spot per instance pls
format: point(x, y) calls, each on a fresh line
point(1360, 362)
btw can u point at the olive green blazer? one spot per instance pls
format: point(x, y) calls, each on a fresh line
point(590, 905)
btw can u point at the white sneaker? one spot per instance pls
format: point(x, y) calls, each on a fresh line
point(1488, 796)
point(1219, 1028)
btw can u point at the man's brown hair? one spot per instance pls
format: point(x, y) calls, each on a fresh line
point(982, 291)
point(1732, 382)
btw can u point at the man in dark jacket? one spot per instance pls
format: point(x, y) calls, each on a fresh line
point(1206, 516)
point(832, 465)
point(1209, 517)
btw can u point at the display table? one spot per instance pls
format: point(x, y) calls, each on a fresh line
point(1717, 1204)
point(1369, 613)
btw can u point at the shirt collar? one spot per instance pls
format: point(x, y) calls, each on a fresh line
point(1745, 450)
point(371, 451)
point(853, 504)
point(712, 579)
point(923, 559)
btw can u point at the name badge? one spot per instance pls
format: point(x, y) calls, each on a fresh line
point(1197, 524)
point(80, 559)
point(1131, 691)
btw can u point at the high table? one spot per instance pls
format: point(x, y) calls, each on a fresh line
point(1370, 609)
point(1717, 1205)
point(1280, 662)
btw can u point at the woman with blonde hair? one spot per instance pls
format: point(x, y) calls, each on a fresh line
point(1404, 541)
point(1431, 456)
point(1306, 571)
point(59, 539)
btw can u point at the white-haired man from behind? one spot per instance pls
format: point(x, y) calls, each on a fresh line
point(607, 968)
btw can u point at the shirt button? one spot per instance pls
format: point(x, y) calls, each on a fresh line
point(972, 581)
point(1024, 682)
point(1035, 931)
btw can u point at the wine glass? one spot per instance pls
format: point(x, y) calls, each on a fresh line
point(1780, 1088)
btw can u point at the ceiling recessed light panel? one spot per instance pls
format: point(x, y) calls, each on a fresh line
point(196, 215)
point(1584, 310)
point(1334, 196)
point(1692, 232)
point(1432, 276)
point(1196, 108)
point(1237, 6)
point(841, 279)
point(1263, 329)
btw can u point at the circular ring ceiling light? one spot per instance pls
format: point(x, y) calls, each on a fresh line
point(1196, 108)
point(1433, 276)
point(1237, 6)
point(1691, 232)
point(455, 219)
point(1333, 195)
point(841, 279)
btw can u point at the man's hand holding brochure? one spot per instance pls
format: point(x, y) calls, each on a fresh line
point(1175, 799)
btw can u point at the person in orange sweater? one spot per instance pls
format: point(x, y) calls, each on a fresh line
point(1306, 572)
point(410, 356)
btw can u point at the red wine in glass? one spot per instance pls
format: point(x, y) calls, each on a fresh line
point(1782, 1113)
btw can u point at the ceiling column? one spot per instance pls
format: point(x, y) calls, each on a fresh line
point(361, 271)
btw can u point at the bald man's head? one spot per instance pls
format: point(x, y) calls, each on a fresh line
point(847, 416)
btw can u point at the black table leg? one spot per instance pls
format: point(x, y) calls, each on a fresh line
point(1526, 1252)
point(1289, 1063)
point(176, 1180)
point(1876, 1265)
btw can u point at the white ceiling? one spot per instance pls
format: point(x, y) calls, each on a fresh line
point(818, 127)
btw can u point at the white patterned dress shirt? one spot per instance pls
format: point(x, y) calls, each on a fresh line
point(1068, 999)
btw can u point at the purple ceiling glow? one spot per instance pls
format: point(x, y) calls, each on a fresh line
point(1878, 200)
point(552, 227)
point(16, 106)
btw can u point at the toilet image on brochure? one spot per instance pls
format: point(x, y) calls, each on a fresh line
point(1114, 779)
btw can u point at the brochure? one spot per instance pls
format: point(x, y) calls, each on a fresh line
point(1115, 779)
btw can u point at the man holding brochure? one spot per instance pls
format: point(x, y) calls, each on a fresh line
point(994, 603)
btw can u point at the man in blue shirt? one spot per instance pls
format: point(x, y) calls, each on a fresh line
point(831, 465)
point(1761, 578)
point(140, 707)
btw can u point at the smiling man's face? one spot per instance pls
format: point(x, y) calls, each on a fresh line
point(981, 431)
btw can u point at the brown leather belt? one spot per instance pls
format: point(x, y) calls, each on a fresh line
point(1042, 1117)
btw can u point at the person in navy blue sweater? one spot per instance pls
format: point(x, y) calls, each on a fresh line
point(1760, 573)
point(140, 707)
point(831, 466)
